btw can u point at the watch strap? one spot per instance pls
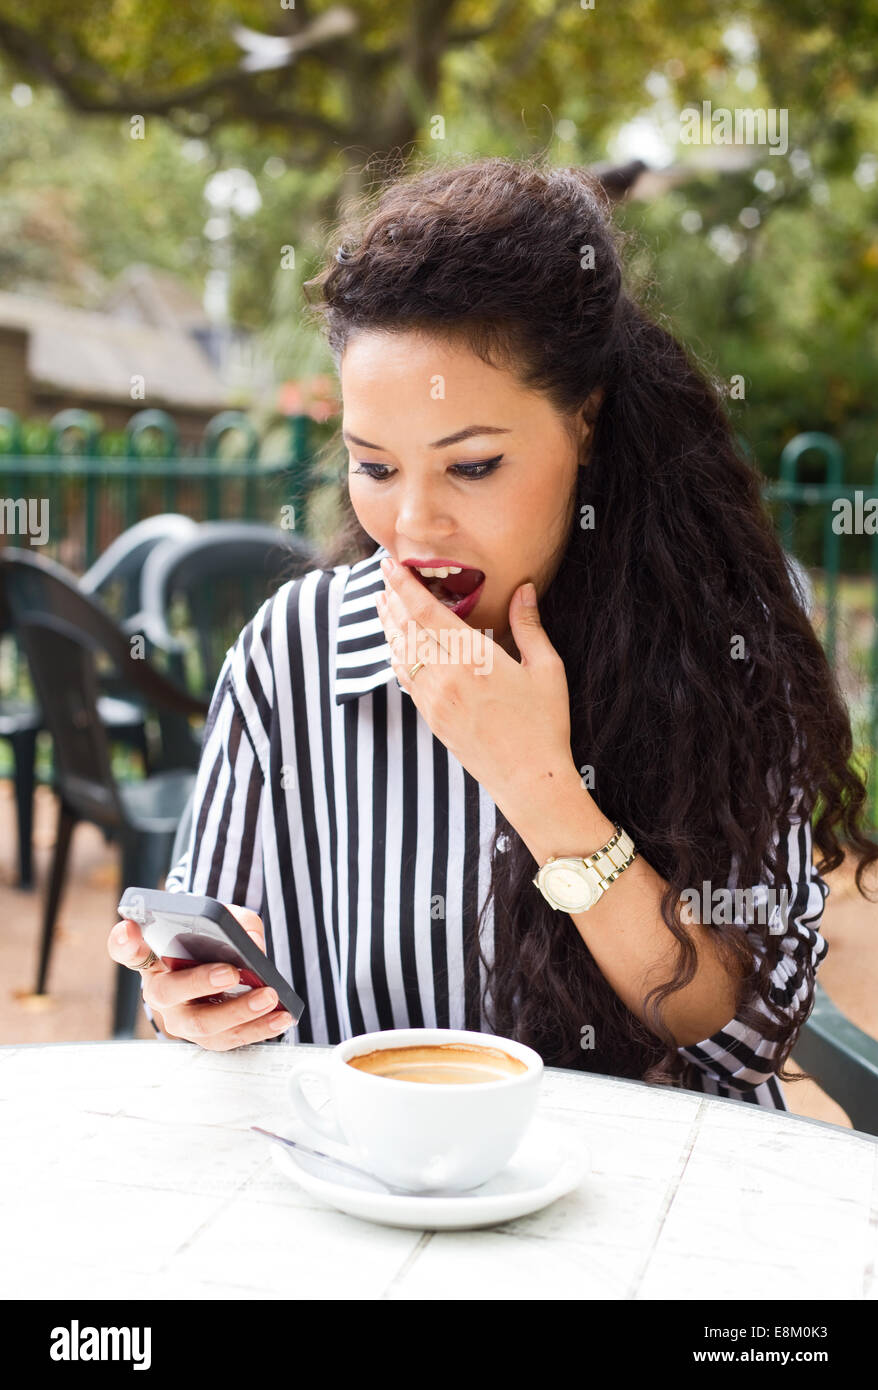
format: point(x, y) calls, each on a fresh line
point(606, 864)
point(613, 858)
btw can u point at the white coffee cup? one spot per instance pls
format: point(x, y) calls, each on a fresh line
point(419, 1134)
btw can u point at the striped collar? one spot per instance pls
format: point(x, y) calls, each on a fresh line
point(362, 660)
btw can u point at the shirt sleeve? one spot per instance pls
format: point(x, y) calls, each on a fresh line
point(739, 1056)
point(223, 858)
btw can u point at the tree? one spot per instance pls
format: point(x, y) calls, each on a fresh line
point(770, 272)
point(365, 81)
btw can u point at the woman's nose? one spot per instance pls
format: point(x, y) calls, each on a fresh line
point(421, 513)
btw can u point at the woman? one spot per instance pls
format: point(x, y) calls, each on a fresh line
point(513, 417)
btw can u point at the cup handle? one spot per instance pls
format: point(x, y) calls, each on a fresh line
point(332, 1140)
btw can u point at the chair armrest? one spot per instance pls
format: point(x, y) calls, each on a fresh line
point(153, 628)
point(145, 679)
point(843, 1059)
point(102, 633)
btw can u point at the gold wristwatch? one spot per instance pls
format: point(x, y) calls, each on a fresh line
point(575, 885)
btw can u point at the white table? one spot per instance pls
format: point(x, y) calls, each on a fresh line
point(129, 1170)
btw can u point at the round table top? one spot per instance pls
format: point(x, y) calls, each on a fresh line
point(130, 1171)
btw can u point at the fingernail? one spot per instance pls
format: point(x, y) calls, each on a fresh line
point(120, 933)
point(261, 1001)
point(387, 567)
point(277, 1025)
point(529, 596)
point(223, 975)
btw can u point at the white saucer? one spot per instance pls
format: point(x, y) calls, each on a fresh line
point(546, 1165)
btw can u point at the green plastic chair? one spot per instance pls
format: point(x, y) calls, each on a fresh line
point(63, 633)
point(843, 1061)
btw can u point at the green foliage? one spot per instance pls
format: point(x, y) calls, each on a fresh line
point(68, 226)
point(794, 311)
point(796, 315)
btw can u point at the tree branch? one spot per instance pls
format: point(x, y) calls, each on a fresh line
point(530, 44)
point(69, 77)
point(480, 31)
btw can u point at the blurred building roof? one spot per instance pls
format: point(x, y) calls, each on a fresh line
point(146, 294)
point(94, 355)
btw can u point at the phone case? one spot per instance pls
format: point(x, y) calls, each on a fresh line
point(184, 929)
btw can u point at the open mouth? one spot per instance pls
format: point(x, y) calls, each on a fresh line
point(454, 588)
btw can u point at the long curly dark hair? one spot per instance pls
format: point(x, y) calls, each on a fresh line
point(701, 757)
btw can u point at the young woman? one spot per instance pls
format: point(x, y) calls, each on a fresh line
point(394, 760)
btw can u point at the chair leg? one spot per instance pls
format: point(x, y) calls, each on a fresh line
point(145, 859)
point(66, 823)
point(24, 750)
point(141, 743)
point(128, 997)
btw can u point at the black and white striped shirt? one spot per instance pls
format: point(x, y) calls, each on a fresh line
point(324, 802)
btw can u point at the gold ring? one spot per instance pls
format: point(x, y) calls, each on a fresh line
point(415, 669)
point(150, 960)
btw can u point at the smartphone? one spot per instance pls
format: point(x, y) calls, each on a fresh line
point(185, 930)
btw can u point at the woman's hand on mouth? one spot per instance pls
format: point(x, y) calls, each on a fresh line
point(503, 720)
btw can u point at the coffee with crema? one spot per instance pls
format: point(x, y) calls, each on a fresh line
point(440, 1064)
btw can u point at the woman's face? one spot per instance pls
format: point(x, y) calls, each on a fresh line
point(407, 399)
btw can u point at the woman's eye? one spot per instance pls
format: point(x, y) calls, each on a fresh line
point(478, 470)
point(473, 471)
point(368, 469)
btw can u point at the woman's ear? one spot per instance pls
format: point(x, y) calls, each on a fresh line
point(586, 422)
point(591, 409)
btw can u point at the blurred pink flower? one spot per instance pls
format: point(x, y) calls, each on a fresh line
point(314, 396)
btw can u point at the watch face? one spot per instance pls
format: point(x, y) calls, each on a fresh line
point(571, 886)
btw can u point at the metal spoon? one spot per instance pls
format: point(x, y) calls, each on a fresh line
point(362, 1172)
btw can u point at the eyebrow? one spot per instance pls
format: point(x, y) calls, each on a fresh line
point(439, 443)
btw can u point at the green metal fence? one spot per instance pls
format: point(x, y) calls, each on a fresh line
point(93, 485)
point(857, 666)
point(92, 495)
